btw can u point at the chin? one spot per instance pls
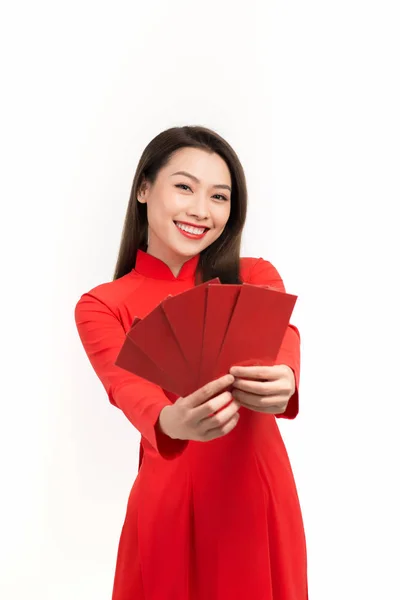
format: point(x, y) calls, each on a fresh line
point(186, 250)
point(187, 253)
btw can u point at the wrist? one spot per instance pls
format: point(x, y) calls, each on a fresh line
point(164, 421)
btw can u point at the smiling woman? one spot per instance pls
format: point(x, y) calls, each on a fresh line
point(195, 212)
point(187, 175)
point(213, 513)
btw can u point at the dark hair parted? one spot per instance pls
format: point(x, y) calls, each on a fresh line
point(220, 259)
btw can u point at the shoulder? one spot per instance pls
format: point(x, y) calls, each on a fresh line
point(112, 294)
point(259, 271)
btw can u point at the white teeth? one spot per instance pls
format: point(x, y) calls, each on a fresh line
point(189, 229)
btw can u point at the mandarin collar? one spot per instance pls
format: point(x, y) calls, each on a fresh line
point(150, 266)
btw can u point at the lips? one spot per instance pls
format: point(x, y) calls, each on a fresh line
point(191, 225)
point(192, 235)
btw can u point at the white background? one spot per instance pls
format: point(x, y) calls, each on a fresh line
point(308, 95)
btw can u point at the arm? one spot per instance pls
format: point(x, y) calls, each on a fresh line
point(264, 273)
point(102, 336)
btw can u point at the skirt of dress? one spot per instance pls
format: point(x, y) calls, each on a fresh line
point(128, 583)
point(220, 522)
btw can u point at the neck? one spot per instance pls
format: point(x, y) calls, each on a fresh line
point(174, 261)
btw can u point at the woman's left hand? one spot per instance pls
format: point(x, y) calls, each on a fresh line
point(263, 389)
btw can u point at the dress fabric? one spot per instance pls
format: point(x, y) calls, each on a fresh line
point(218, 520)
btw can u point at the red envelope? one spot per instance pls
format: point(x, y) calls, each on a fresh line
point(131, 357)
point(185, 313)
point(256, 329)
point(154, 336)
point(221, 300)
point(196, 336)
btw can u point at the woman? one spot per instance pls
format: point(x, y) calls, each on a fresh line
point(213, 513)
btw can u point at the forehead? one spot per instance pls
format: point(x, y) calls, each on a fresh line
point(209, 167)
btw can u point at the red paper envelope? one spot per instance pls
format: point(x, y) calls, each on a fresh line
point(256, 329)
point(220, 302)
point(135, 361)
point(154, 336)
point(185, 313)
point(131, 357)
point(196, 336)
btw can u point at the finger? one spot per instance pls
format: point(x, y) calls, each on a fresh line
point(218, 418)
point(261, 388)
point(276, 409)
point(214, 405)
point(262, 404)
point(272, 409)
point(209, 390)
point(222, 430)
point(256, 372)
point(269, 410)
point(246, 399)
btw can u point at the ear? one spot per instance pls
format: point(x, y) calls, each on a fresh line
point(142, 192)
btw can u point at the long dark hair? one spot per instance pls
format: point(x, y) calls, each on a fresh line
point(220, 259)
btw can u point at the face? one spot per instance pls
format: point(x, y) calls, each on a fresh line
point(187, 212)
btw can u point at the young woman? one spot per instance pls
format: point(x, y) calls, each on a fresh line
point(213, 513)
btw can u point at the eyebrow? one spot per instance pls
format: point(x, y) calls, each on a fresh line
point(220, 186)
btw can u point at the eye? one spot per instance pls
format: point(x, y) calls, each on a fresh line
point(183, 185)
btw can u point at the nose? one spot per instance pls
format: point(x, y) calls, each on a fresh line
point(199, 207)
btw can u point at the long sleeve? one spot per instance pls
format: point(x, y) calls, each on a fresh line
point(264, 273)
point(102, 336)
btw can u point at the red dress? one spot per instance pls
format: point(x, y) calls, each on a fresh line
point(217, 520)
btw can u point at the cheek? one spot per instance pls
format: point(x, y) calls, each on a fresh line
point(158, 213)
point(221, 216)
point(152, 216)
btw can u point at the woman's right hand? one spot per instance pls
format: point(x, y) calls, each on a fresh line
point(193, 418)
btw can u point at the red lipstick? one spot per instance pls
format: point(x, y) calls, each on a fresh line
point(193, 236)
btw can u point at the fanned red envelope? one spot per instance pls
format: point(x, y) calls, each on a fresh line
point(198, 335)
point(131, 354)
point(256, 329)
point(155, 337)
point(221, 301)
point(186, 313)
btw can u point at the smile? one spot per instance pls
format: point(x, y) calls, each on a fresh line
point(191, 231)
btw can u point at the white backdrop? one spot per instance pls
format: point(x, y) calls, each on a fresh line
point(308, 95)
